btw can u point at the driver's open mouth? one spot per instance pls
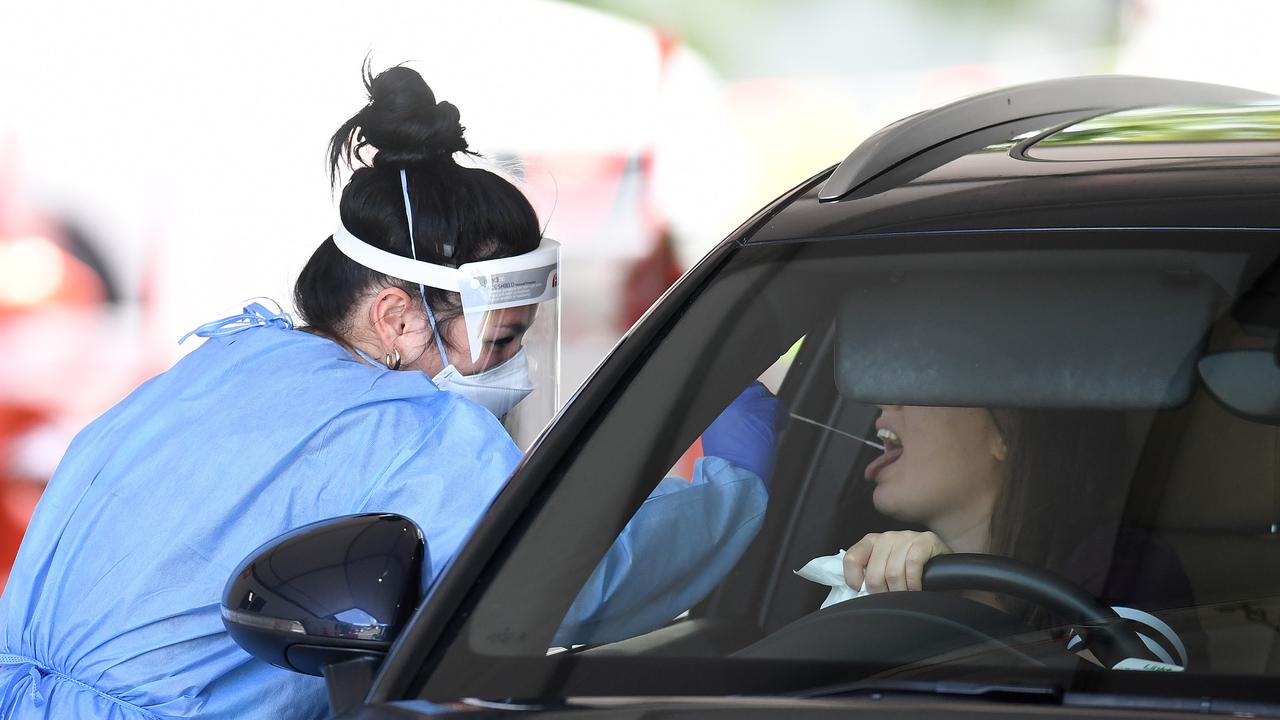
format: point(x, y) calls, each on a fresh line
point(892, 451)
point(890, 438)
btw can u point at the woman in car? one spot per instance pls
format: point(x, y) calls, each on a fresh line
point(1046, 487)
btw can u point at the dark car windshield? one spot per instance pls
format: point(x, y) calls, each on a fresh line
point(1101, 406)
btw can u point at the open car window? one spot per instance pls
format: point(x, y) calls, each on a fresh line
point(1121, 390)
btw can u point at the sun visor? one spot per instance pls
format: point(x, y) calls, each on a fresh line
point(1059, 337)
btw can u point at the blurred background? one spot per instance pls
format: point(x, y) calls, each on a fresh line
point(161, 162)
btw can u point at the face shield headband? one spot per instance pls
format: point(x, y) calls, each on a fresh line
point(487, 285)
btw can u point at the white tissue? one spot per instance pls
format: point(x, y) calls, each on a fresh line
point(829, 570)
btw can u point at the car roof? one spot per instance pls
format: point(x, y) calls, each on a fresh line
point(1186, 165)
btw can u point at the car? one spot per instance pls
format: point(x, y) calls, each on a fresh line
point(1102, 249)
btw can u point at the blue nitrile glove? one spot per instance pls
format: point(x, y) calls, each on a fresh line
point(746, 431)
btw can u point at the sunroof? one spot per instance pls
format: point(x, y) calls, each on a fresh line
point(1166, 132)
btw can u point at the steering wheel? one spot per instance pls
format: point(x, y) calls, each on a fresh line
point(1105, 632)
point(896, 628)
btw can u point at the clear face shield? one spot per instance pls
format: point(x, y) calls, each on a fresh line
point(511, 308)
point(511, 313)
point(526, 420)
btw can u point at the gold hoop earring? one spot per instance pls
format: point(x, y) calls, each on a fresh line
point(392, 361)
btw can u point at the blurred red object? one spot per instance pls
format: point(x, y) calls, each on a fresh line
point(18, 494)
point(648, 278)
point(37, 271)
point(47, 268)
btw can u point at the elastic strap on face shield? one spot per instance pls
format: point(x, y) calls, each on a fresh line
point(413, 249)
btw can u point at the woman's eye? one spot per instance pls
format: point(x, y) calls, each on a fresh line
point(502, 342)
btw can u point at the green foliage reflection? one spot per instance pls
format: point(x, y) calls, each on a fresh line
point(1175, 124)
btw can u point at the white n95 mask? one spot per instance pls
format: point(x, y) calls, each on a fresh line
point(498, 389)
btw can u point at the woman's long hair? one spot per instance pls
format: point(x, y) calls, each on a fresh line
point(1065, 490)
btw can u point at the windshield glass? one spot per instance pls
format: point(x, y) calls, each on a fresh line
point(1059, 425)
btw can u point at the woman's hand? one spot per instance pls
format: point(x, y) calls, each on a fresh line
point(891, 561)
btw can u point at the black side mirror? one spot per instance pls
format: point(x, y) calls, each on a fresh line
point(328, 592)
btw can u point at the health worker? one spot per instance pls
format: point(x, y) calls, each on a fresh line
point(431, 317)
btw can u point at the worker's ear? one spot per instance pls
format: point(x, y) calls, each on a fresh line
point(389, 315)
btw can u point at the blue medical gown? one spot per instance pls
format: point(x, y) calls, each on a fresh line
point(112, 608)
point(676, 548)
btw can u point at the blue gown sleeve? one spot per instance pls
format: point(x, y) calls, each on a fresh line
point(683, 540)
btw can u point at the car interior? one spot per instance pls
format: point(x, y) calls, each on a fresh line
point(1203, 477)
point(1176, 335)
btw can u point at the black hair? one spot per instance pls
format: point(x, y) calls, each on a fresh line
point(1063, 491)
point(460, 214)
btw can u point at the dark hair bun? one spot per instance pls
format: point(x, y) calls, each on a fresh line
point(402, 121)
point(405, 123)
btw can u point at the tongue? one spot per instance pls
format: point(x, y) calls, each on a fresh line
point(880, 463)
